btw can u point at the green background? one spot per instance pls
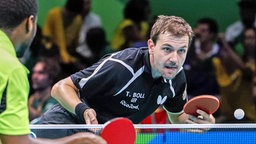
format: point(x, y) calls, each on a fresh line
point(224, 11)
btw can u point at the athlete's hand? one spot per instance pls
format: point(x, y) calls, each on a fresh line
point(203, 118)
point(90, 116)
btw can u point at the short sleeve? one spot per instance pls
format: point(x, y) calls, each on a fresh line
point(14, 119)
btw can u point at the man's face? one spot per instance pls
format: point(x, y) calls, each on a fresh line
point(168, 54)
point(250, 42)
point(40, 78)
point(87, 6)
point(202, 32)
point(250, 38)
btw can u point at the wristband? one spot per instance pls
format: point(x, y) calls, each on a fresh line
point(79, 110)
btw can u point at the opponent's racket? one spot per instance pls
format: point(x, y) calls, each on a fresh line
point(207, 103)
point(119, 131)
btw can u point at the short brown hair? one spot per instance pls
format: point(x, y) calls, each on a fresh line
point(51, 67)
point(176, 25)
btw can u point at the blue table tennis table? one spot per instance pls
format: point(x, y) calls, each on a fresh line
point(221, 134)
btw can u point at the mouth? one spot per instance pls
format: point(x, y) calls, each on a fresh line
point(171, 67)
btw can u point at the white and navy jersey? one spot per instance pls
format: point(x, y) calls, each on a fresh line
point(121, 85)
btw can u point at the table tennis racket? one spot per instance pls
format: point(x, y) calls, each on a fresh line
point(207, 103)
point(119, 131)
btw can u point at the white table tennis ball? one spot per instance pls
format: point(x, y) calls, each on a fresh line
point(239, 114)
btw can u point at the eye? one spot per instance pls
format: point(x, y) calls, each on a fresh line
point(182, 51)
point(167, 49)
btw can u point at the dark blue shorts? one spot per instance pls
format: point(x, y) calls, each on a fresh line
point(58, 115)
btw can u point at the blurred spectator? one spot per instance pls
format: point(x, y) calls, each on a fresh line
point(90, 20)
point(62, 26)
point(198, 66)
point(247, 11)
point(144, 43)
point(235, 78)
point(134, 27)
point(44, 75)
point(254, 85)
point(97, 44)
point(249, 44)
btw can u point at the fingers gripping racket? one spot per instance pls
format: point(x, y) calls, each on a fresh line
point(207, 103)
point(119, 131)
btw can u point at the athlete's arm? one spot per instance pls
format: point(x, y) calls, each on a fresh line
point(66, 93)
point(177, 118)
point(185, 118)
point(79, 138)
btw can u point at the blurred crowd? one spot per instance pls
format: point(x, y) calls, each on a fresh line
point(218, 63)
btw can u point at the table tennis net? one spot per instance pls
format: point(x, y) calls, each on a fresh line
point(174, 133)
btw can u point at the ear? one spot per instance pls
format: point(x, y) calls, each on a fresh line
point(151, 46)
point(30, 23)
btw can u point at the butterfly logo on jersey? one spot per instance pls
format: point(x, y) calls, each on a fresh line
point(161, 100)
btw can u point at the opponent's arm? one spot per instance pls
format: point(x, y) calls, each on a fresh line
point(66, 93)
point(79, 138)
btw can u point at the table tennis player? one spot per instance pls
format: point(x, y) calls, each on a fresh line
point(131, 83)
point(17, 30)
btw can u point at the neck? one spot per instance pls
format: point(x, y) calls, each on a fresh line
point(11, 35)
point(14, 35)
point(206, 46)
point(8, 32)
point(155, 74)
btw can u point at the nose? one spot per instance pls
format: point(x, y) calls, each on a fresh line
point(173, 58)
point(34, 75)
point(172, 63)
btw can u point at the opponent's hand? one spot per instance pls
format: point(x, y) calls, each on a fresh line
point(90, 116)
point(84, 138)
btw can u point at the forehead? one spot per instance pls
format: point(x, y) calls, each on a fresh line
point(87, 1)
point(203, 26)
point(39, 66)
point(171, 39)
point(249, 32)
